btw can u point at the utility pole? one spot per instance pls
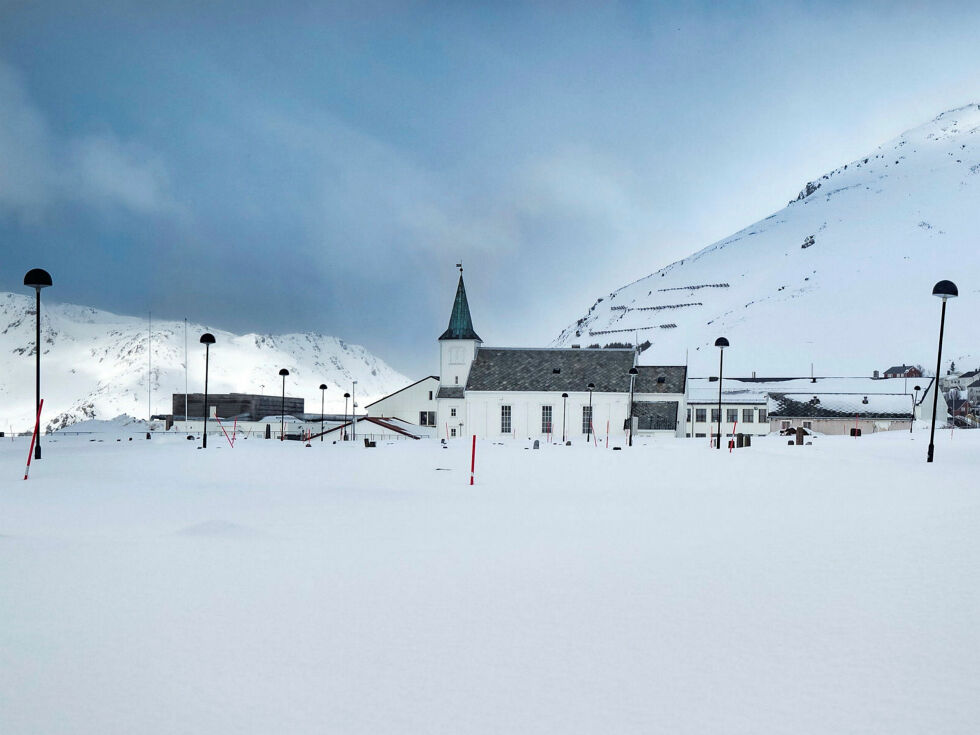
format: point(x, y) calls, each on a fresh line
point(185, 372)
point(149, 368)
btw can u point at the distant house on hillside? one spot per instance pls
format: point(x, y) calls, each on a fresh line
point(903, 371)
point(960, 381)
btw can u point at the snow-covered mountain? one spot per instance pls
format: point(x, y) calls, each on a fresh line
point(841, 277)
point(94, 364)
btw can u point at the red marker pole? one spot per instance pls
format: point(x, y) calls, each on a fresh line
point(473, 461)
point(731, 444)
point(37, 427)
point(607, 433)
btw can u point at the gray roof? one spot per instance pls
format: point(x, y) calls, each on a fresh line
point(450, 391)
point(840, 406)
point(534, 369)
point(648, 381)
point(899, 369)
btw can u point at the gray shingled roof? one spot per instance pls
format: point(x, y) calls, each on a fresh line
point(656, 415)
point(520, 369)
point(450, 391)
point(675, 377)
point(840, 405)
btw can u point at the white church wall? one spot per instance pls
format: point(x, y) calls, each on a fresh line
point(407, 404)
point(455, 358)
point(483, 415)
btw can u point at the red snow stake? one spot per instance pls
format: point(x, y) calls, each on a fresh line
point(230, 440)
point(731, 443)
point(473, 461)
point(37, 427)
point(607, 433)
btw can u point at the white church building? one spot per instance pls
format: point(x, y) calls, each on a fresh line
point(553, 394)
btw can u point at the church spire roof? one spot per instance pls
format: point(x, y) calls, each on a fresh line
point(460, 322)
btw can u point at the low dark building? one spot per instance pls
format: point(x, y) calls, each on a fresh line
point(244, 406)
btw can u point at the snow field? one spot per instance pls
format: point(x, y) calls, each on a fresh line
point(152, 587)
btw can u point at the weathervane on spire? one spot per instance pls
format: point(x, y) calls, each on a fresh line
point(460, 266)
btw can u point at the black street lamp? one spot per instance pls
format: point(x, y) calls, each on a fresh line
point(353, 412)
point(323, 387)
point(207, 339)
point(37, 279)
point(282, 414)
point(944, 290)
point(633, 373)
point(588, 429)
point(915, 401)
point(564, 405)
point(721, 343)
point(346, 396)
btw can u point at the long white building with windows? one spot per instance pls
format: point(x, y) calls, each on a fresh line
point(554, 394)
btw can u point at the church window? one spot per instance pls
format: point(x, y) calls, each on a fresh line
point(452, 411)
point(505, 427)
point(427, 418)
point(546, 419)
point(586, 419)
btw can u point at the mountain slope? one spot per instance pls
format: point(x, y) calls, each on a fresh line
point(841, 277)
point(94, 365)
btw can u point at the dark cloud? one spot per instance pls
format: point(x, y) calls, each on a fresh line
point(323, 168)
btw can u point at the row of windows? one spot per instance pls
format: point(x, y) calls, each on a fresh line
point(731, 415)
point(547, 415)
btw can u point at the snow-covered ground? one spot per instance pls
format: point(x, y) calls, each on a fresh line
point(151, 587)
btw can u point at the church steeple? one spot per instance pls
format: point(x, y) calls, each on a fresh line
point(460, 322)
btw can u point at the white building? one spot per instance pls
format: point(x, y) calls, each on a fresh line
point(415, 403)
point(538, 393)
point(827, 405)
point(744, 408)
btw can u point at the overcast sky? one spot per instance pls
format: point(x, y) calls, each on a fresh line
point(322, 166)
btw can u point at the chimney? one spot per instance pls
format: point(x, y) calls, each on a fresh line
point(753, 375)
point(576, 347)
point(875, 376)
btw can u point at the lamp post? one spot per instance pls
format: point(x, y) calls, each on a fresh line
point(564, 406)
point(588, 429)
point(721, 343)
point(207, 339)
point(633, 373)
point(353, 407)
point(915, 401)
point(944, 290)
point(282, 413)
point(37, 279)
point(346, 396)
point(323, 387)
